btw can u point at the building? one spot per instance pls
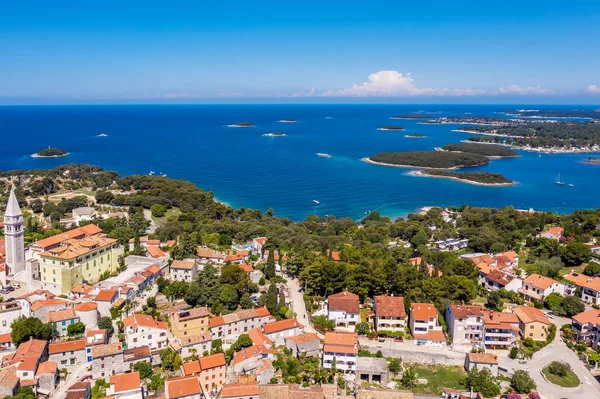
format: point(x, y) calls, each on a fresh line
point(253, 275)
point(279, 330)
point(497, 279)
point(105, 300)
point(240, 391)
point(138, 354)
point(126, 386)
point(344, 309)
point(94, 338)
point(190, 322)
point(209, 370)
point(537, 287)
point(372, 370)
point(590, 287)
point(14, 234)
point(481, 361)
point(28, 356)
point(533, 323)
point(183, 388)
point(69, 261)
point(248, 360)
point(6, 343)
point(142, 330)
point(389, 313)
point(9, 382)
point(258, 245)
point(9, 311)
point(206, 255)
point(343, 347)
point(307, 344)
point(107, 360)
point(501, 330)
point(230, 326)
point(587, 327)
point(184, 270)
point(452, 244)
point(62, 319)
point(80, 390)
point(259, 338)
point(68, 353)
point(465, 324)
point(88, 314)
point(553, 233)
point(195, 344)
point(424, 325)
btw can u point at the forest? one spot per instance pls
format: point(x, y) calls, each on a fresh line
point(430, 159)
point(476, 177)
point(487, 150)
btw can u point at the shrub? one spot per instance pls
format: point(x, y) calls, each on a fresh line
point(559, 368)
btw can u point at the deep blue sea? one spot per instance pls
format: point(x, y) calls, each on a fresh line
point(244, 168)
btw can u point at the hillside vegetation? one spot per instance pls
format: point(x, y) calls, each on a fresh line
point(483, 149)
point(431, 159)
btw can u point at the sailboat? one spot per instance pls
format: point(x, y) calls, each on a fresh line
point(558, 181)
point(316, 202)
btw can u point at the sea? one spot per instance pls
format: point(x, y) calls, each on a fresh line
point(245, 168)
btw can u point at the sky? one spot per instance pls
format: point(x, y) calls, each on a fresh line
point(299, 51)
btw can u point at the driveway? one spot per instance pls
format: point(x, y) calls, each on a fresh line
point(296, 298)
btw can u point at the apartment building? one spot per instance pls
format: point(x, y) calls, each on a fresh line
point(465, 324)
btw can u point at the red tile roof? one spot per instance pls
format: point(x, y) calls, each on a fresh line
point(125, 382)
point(423, 311)
point(258, 338)
point(390, 306)
point(144, 320)
point(106, 295)
point(60, 347)
point(345, 301)
point(155, 252)
point(237, 390)
point(212, 361)
point(182, 386)
point(87, 230)
point(60, 315)
point(86, 306)
point(463, 311)
point(281, 325)
point(48, 367)
point(303, 338)
point(251, 352)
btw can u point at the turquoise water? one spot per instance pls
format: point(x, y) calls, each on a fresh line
point(244, 168)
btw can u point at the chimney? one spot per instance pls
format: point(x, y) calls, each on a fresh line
point(387, 293)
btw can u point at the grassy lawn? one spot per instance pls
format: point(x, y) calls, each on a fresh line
point(171, 213)
point(568, 381)
point(439, 377)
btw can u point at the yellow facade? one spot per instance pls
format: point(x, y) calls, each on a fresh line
point(189, 322)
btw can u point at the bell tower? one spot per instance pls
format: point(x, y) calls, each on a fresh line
point(14, 233)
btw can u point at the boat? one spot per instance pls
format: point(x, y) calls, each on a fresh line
point(539, 155)
point(571, 185)
point(151, 173)
point(367, 211)
point(558, 181)
point(324, 155)
point(103, 135)
point(317, 202)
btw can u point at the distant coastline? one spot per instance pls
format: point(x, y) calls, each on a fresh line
point(369, 160)
point(476, 183)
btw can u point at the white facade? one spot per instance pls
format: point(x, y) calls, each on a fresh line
point(14, 236)
point(345, 362)
point(142, 330)
point(9, 311)
point(464, 328)
point(343, 318)
point(184, 271)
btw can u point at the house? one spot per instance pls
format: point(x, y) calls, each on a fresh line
point(9, 382)
point(190, 322)
point(107, 360)
point(141, 330)
point(40, 309)
point(105, 300)
point(81, 290)
point(68, 353)
point(590, 287)
point(247, 360)
point(47, 377)
point(587, 327)
point(28, 356)
point(372, 370)
point(183, 388)
point(6, 343)
point(424, 325)
point(230, 326)
point(452, 244)
point(389, 313)
point(333, 255)
point(240, 391)
point(145, 242)
point(94, 338)
point(126, 386)
point(465, 324)
point(537, 287)
point(259, 338)
point(533, 323)
point(138, 354)
point(155, 252)
point(343, 347)
point(80, 390)
point(209, 370)
point(184, 270)
point(9, 311)
point(84, 213)
point(481, 361)
point(497, 279)
point(553, 233)
point(206, 255)
point(195, 344)
point(62, 319)
point(344, 309)
point(253, 275)
point(307, 344)
point(279, 330)
point(501, 330)
point(258, 245)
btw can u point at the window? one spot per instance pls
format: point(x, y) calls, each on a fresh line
point(72, 361)
point(63, 362)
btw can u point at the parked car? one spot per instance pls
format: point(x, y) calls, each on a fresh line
point(10, 289)
point(4, 291)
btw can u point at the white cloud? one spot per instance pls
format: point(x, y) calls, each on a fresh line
point(516, 89)
point(593, 89)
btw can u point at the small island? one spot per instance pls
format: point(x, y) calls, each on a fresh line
point(287, 121)
point(491, 151)
point(274, 134)
point(428, 159)
point(478, 178)
point(241, 124)
point(414, 136)
point(410, 116)
point(390, 127)
point(50, 153)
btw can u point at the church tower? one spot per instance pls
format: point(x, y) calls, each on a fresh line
point(14, 235)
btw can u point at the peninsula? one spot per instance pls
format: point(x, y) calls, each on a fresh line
point(475, 120)
point(411, 116)
point(241, 124)
point(390, 127)
point(490, 151)
point(428, 159)
point(555, 113)
point(50, 153)
point(478, 178)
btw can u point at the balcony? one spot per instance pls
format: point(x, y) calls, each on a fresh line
point(531, 294)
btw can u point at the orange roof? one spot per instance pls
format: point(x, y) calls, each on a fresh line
point(390, 306)
point(339, 349)
point(334, 255)
point(555, 231)
point(491, 319)
point(34, 348)
point(592, 283)
point(281, 325)
point(591, 316)
point(191, 368)
point(106, 295)
point(345, 301)
point(512, 255)
point(303, 338)
point(153, 242)
point(486, 358)
point(125, 382)
point(182, 386)
point(432, 335)
point(60, 347)
point(262, 312)
point(4, 338)
point(212, 361)
point(60, 315)
point(216, 321)
point(153, 269)
point(82, 288)
point(243, 252)
point(182, 264)
point(88, 230)
point(144, 320)
point(463, 311)
point(261, 240)
point(233, 258)
point(528, 314)
point(258, 338)
point(86, 306)
point(251, 352)
point(48, 367)
point(423, 311)
point(204, 252)
point(155, 251)
point(247, 268)
point(341, 338)
point(47, 302)
point(538, 281)
point(237, 390)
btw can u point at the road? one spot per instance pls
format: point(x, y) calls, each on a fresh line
point(153, 225)
point(75, 374)
point(296, 298)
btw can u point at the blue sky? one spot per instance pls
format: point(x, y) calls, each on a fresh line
point(308, 51)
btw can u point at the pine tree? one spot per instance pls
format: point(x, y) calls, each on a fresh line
point(271, 301)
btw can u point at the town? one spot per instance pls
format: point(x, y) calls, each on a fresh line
point(91, 314)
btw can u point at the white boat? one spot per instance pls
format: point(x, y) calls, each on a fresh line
point(324, 155)
point(103, 135)
point(317, 202)
point(558, 181)
point(571, 185)
point(151, 173)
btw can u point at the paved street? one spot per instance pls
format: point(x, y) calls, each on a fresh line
point(296, 297)
point(75, 374)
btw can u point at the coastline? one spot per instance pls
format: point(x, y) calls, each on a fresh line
point(369, 160)
point(539, 150)
point(419, 173)
point(440, 149)
point(49, 156)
